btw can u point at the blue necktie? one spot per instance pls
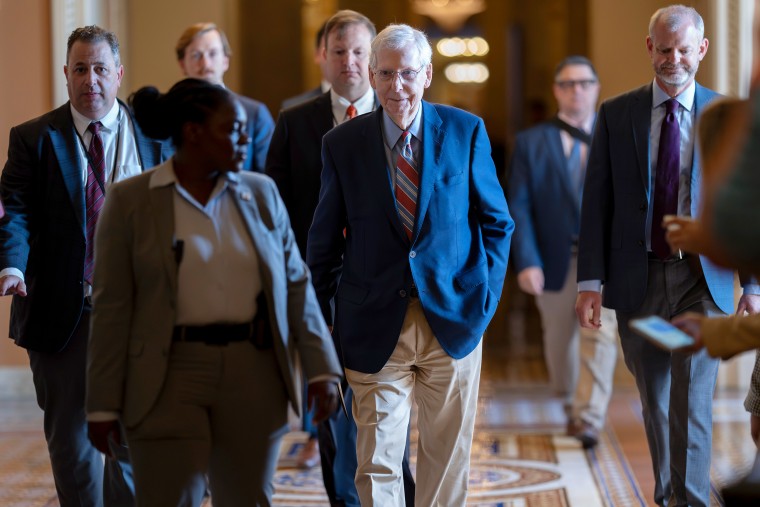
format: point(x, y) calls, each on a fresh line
point(666, 178)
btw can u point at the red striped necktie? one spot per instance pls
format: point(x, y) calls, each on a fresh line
point(407, 183)
point(94, 194)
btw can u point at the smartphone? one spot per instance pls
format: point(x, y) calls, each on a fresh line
point(661, 332)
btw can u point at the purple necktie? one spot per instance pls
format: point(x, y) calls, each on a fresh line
point(666, 178)
point(93, 194)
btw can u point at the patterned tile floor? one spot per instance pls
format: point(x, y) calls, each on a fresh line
point(520, 456)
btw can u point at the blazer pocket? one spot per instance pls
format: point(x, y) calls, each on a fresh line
point(135, 348)
point(449, 180)
point(351, 293)
point(473, 277)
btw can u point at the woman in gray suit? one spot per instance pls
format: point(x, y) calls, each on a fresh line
point(202, 303)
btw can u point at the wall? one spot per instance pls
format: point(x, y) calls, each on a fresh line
point(25, 92)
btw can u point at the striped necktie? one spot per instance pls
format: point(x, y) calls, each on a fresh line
point(407, 182)
point(94, 194)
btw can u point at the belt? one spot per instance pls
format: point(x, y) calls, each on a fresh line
point(673, 257)
point(214, 334)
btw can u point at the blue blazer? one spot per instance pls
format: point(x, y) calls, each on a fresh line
point(616, 193)
point(43, 231)
point(544, 204)
point(259, 129)
point(459, 249)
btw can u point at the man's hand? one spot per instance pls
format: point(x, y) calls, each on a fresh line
point(749, 303)
point(531, 280)
point(12, 284)
point(588, 308)
point(691, 324)
point(323, 399)
point(99, 432)
point(754, 429)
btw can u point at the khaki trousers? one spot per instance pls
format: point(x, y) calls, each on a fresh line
point(581, 362)
point(446, 392)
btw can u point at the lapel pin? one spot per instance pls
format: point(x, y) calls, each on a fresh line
point(246, 196)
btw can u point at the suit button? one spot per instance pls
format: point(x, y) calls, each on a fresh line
point(643, 207)
point(412, 254)
point(641, 242)
point(402, 293)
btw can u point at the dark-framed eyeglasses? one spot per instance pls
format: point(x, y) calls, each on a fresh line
point(585, 84)
point(406, 75)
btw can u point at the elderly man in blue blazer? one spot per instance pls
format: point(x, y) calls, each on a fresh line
point(418, 274)
point(644, 166)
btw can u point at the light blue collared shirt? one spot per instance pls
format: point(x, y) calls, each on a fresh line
point(392, 134)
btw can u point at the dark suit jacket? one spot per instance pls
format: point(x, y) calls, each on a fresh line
point(259, 130)
point(612, 245)
point(544, 204)
point(295, 162)
point(43, 232)
point(459, 249)
point(303, 97)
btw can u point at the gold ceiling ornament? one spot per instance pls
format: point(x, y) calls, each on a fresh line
point(449, 15)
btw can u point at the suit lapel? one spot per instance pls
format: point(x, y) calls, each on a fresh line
point(432, 147)
point(558, 162)
point(322, 118)
point(148, 150)
point(64, 140)
point(162, 214)
point(641, 119)
point(245, 200)
point(378, 170)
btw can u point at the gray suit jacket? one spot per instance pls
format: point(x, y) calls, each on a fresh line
point(135, 295)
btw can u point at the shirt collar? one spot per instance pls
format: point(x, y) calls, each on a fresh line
point(393, 132)
point(364, 104)
point(164, 175)
point(685, 98)
point(110, 121)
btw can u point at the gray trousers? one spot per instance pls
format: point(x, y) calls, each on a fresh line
point(581, 362)
point(81, 479)
point(676, 389)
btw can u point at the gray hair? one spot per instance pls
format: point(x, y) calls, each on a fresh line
point(673, 17)
point(398, 36)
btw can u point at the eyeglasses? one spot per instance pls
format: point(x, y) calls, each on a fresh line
point(585, 84)
point(406, 75)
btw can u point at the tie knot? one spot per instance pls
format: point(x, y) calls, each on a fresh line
point(406, 138)
point(671, 106)
point(95, 127)
point(350, 112)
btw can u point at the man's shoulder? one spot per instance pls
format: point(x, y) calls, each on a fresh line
point(536, 132)
point(629, 96)
point(301, 98)
point(309, 107)
point(452, 114)
point(251, 106)
point(54, 119)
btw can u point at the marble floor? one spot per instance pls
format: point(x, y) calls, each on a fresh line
point(521, 457)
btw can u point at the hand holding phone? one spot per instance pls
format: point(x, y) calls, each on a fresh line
point(661, 332)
